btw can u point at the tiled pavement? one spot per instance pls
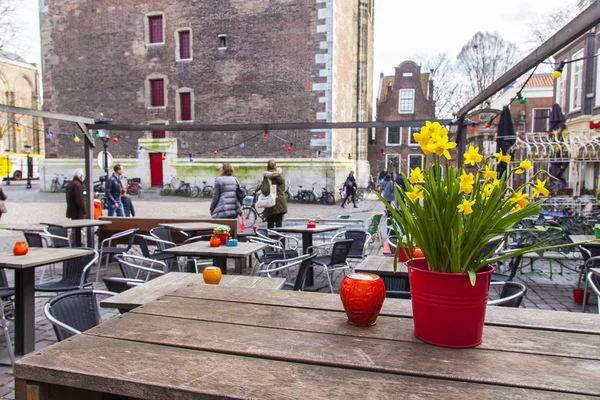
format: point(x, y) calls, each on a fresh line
point(543, 293)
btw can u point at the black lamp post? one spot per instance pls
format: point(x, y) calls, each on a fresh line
point(103, 134)
point(7, 167)
point(29, 169)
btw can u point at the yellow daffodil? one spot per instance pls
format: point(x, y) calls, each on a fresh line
point(415, 194)
point(502, 158)
point(525, 165)
point(466, 189)
point(466, 207)
point(488, 188)
point(441, 146)
point(520, 199)
point(496, 182)
point(466, 182)
point(472, 156)
point(416, 175)
point(490, 174)
point(540, 188)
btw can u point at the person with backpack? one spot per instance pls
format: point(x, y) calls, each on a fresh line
point(350, 186)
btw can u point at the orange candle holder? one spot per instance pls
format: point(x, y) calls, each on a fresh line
point(20, 249)
point(362, 296)
point(212, 275)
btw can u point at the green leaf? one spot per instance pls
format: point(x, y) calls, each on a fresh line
point(472, 276)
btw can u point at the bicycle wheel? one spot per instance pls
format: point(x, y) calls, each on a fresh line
point(134, 190)
point(195, 191)
point(186, 190)
point(311, 197)
point(166, 190)
point(329, 199)
point(207, 191)
point(54, 187)
point(250, 215)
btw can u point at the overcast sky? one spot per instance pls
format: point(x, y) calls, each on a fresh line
point(402, 28)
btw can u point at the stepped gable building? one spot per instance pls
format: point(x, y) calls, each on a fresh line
point(212, 62)
point(405, 96)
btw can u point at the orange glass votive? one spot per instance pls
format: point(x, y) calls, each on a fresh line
point(212, 275)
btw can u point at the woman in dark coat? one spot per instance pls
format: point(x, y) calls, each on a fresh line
point(274, 215)
point(350, 186)
point(225, 203)
point(75, 198)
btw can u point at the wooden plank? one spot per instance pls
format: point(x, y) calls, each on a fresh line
point(191, 226)
point(389, 328)
point(77, 223)
point(595, 271)
point(392, 356)
point(242, 250)
point(173, 281)
point(499, 316)
point(381, 264)
point(165, 372)
point(304, 229)
point(36, 257)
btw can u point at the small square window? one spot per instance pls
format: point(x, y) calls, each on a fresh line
point(155, 25)
point(394, 136)
point(411, 136)
point(406, 101)
point(222, 41)
point(415, 161)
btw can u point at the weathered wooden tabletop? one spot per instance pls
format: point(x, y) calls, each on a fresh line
point(191, 226)
point(205, 341)
point(595, 271)
point(37, 256)
point(77, 223)
point(381, 264)
point(242, 250)
point(585, 238)
point(172, 281)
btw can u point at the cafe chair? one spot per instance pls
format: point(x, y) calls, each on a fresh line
point(140, 268)
point(274, 251)
point(513, 267)
point(119, 285)
point(58, 237)
point(511, 295)
point(107, 249)
point(36, 239)
point(164, 234)
point(590, 262)
point(593, 281)
point(335, 261)
point(284, 265)
point(358, 250)
point(198, 261)
point(396, 286)
point(373, 228)
point(290, 242)
point(145, 241)
point(3, 321)
point(73, 312)
point(75, 273)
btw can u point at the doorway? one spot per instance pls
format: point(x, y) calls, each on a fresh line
point(156, 170)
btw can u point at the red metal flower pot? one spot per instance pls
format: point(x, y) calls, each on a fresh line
point(362, 296)
point(223, 237)
point(578, 296)
point(402, 252)
point(447, 310)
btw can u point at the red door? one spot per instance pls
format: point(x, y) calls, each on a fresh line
point(156, 170)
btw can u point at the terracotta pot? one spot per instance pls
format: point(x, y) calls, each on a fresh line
point(212, 275)
point(447, 310)
point(215, 241)
point(20, 249)
point(223, 237)
point(362, 296)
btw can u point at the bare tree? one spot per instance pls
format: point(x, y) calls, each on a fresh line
point(484, 58)
point(447, 89)
point(7, 26)
point(542, 26)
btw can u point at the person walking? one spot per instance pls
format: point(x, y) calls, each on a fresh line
point(274, 176)
point(382, 175)
point(3, 197)
point(75, 198)
point(97, 206)
point(113, 192)
point(128, 209)
point(388, 189)
point(350, 186)
point(224, 202)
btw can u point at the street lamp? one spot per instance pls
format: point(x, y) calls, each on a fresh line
point(103, 134)
point(7, 167)
point(29, 169)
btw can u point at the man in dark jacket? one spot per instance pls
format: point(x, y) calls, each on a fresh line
point(75, 198)
point(113, 193)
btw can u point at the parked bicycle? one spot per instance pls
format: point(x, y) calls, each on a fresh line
point(57, 186)
point(184, 188)
point(133, 185)
point(250, 212)
point(202, 191)
point(326, 197)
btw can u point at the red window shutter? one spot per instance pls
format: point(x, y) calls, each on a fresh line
point(156, 29)
point(186, 106)
point(184, 45)
point(158, 134)
point(157, 88)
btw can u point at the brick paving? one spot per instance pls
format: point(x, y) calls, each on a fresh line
point(27, 207)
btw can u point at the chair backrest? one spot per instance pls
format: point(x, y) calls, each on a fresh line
point(511, 296)
point(513, 266)
point(490, 246)
point(33, 239)
point(78, 309)
point(118, 285)
point(357, 249)
point(594, 283)
point(162, 233)
point(62, 233)
point(374, 225)
point(78, 268)
point(199, 238)
point(340, 251)
point(143, 243)
point(303, 272)
point(132, 266)
point(3, 279)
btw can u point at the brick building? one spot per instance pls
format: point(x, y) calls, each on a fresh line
point(405, 96)
point(232, 61)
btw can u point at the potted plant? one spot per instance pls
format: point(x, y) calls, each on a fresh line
point(223, 232)
point(450, 213)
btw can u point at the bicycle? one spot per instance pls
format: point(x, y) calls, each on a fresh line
point(250, 212)
point(133, 185)
point(56, 186)
point(326, 197)
point(303, 195)
point(204, 190)
point(171, 188)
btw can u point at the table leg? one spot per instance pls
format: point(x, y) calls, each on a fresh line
point(221, 262)
point(76, 237)
point(24, 311)
point(306, 243)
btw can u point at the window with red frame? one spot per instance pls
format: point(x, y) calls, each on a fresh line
point(185, 101)
point(184, 45)
point(155, 24)
point(157, 90)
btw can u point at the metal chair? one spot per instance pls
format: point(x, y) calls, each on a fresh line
point(289, 242)
point(164, 234)
point(396, 286)
point(373, 228)
point(119, 285)
point(593, 281)
point(511, 295)
point(132, 266)
point(73, 312)
point(36, 239)
point(335, 261)
point(274, 251)
point(591, 262)
point(75, 272)
point(9, 347)
point(106, 248)
point(358, 250)
point(145, 241)
point(513, 267)
point(59, 237)
point(284, 265)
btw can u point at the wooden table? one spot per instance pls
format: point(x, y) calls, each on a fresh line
point(75, 225)
point(24, 267)
point(231, 343)
point(381, 265)
point(595, 271)
point(219, 254)
point(192, 227)
point(307, 241)
point(167, 284)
